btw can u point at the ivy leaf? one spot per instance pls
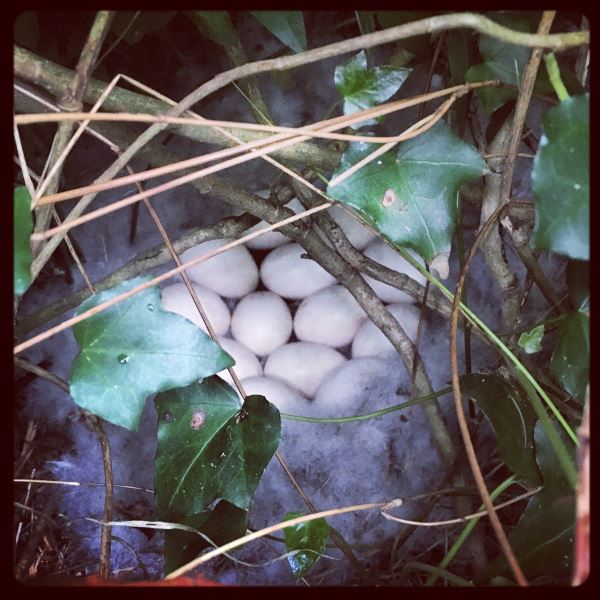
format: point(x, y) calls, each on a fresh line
point(512, 418)
point(287, 26)
point(308, 540)
point(209, 448)
point(531, 341)
point(134, 349)
point(570, 362)
point(23, 226)
point(560, 180)
point(223, 524)
point(362, 88)
point(216, 25)
point(543, 538)
point(410, 194)
point(501, 61)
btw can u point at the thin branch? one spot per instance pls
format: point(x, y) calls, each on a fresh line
point(321, 129)
point(545, 23)
point(231, 227)
point(159, 279)
point(470, 517)
point(268, 530)
point(106, 530)
point(491, 246)
point(72, 99)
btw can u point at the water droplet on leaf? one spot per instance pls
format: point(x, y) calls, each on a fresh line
point(150, 307)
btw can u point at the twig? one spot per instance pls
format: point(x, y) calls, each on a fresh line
point(322, 129)
point(434, 60)
point(106, 530)
point(430, 25)
point(491, 246)
point(520, 111)
point(53, 77)
point(71, 100)
point(40, 372)
point(268, 530)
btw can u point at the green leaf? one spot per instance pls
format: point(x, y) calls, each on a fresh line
point(362, 88)
point(512, 418)
point(410, 194)
point(505, 62)
point(23, 226)
point(287, 26)
point(308, 539)
point(531, 341)
point(570, 362)
point(216, 25)
point(560, 180)
point(209, 448)
point(134, 349)
point(578, 282)
point(543, 538)
point(221, 525)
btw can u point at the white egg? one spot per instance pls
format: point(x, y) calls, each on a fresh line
point(347, 388)
point(369, 341)
point(359, 235)
point(272, 239)
point(246, 363)
point(277, 392)
point(232, 274)
point(330, 316)
point(176, 298)
point(380, 252)
point(262, 321)
point(303, 365)
point(284, 272)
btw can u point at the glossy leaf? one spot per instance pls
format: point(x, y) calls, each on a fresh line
point(531, 341)
point(307, 540)
point(223, 524)
point(134, 349)
point(216, 25)
point(505, 62)
point(560, 180)
point(512, 418)
point(209, 448)
point(543, 538)
point(570, 362)
point(23, 226)
point(578, 282)
point(410, 194)
point(287, 26)
point(362, 88)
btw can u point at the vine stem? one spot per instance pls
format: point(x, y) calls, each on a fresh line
point(383, 507)
point(424, 26)
point(520, 112)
